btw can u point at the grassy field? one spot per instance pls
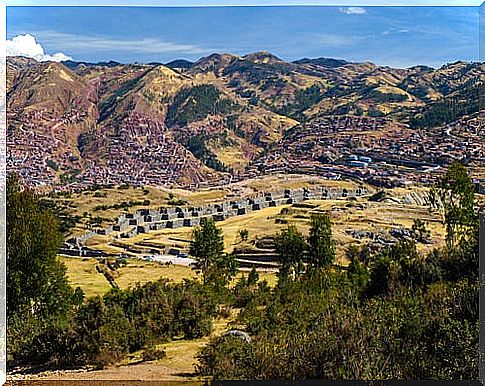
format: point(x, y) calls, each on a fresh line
point(82, 273)
point(138, 271)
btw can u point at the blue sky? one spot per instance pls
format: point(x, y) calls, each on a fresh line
point(395, 36)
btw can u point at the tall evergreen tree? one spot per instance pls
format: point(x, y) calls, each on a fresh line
point(454, 196)
point(321, 248)
point(290, 247)
point(39, 297)
point(207, 248)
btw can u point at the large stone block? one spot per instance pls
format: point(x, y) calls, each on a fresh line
point(218, 217)
point(178, 223)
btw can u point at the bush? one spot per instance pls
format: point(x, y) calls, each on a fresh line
point(106, 357)
point(226, 358)
point(153, 354)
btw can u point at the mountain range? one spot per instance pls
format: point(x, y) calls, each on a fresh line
point(185, 123)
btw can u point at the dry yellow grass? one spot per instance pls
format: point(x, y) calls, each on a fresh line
point(86, 201)
point(280, 182)
point(231, 156)
point(200, 197)
point(139, 271)
point(82, 273)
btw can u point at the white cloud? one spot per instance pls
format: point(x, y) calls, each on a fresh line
point(352, 10)
point(26, 45)
point(394, 31)
point(85, 43)
point(331, 40)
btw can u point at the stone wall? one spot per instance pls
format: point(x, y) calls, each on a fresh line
point(146, 220)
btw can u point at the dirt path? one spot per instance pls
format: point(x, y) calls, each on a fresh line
point(178, 365)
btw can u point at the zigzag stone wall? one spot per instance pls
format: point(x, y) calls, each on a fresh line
point(146, 220)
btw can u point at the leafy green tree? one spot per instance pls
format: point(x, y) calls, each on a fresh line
point(36, 280)
point(454, 197)
point(207, 247)
point(290, 246)
point(397, 265)
point(420, 231)
point(244, 234)
point(321, 247)
point(211, 359)
point(382, 275)
point(224, 270)
point(357, 272)
point(39, 297)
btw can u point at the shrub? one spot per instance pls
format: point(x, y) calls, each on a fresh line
point(226, 358)
point(153, 354)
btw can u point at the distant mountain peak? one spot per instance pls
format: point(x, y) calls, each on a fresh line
point(325, 62)
point(180, 63)
point(214, 62)
point(262, 57)
point(73, 64)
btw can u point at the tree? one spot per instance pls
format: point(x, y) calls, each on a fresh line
point(321, 247)
point(290, 246)
point(39, 297)
point(420, 231)
point(207, 247)
point(244, 234)
point(454, 196)
point(253, 277)
point(357, 272)
point(36, 280)
point(224, 270)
